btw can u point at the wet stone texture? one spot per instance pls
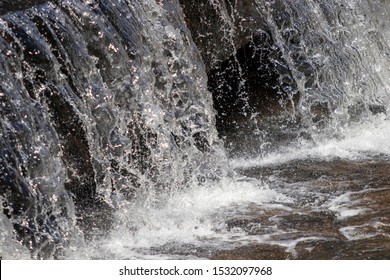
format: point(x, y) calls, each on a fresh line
point(340, 210)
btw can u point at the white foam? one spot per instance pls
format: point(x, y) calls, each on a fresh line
point(10, 248)
point(356, 232)
point(370, 138)
point(192, 216)
point(197, 215)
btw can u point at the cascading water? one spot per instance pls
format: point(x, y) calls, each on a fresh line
point(310, 68)
point(110, 147)
point(103, 100)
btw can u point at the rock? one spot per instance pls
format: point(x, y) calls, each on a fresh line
point(253, 252)
point(376, 248)
point(219, 28)
point(239, 52)
point(340, 209)
point(246, 87)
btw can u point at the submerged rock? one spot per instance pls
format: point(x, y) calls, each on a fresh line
point(340, 210)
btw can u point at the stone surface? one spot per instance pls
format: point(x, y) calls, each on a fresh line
point(246, 88)
point(340, 211)
point(253, 252)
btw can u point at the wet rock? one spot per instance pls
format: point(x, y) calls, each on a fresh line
point(253, 252)
point(377, 248)
point(307, 224)
point(97, 98)
point(209, 25)
point(246, 87)
point(247, 73)
point(231, 24)
point(340, 209)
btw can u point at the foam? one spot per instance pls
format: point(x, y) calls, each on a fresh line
point(192, 216)
point(358, 142)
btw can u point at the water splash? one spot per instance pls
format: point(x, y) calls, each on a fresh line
point(195, 217)
point(106, 121)
point(360, 141)
point(327, 67)
point(101, 100)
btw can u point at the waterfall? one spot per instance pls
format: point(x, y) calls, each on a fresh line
point(100, 101)
point(297, 69)
point(113, 112)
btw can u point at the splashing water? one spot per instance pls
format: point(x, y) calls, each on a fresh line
point(106, 120)
point(193, 218)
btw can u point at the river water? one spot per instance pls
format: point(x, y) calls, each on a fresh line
point(328, 201)
point(110, 149)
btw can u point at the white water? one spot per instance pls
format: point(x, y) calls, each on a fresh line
point(183, 221)
point(359, 141)
point(195, 216)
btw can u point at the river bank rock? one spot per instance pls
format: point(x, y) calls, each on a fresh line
point(340, 210)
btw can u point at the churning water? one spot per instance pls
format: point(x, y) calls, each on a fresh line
point(109, 148)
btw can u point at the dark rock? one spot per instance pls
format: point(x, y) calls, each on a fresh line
point(246, 87)
point(318, 224)
point(253, 252)
point(376, 248)
point(31, 170)
point(247, 74)
point(219, 28)
point(210, 27)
